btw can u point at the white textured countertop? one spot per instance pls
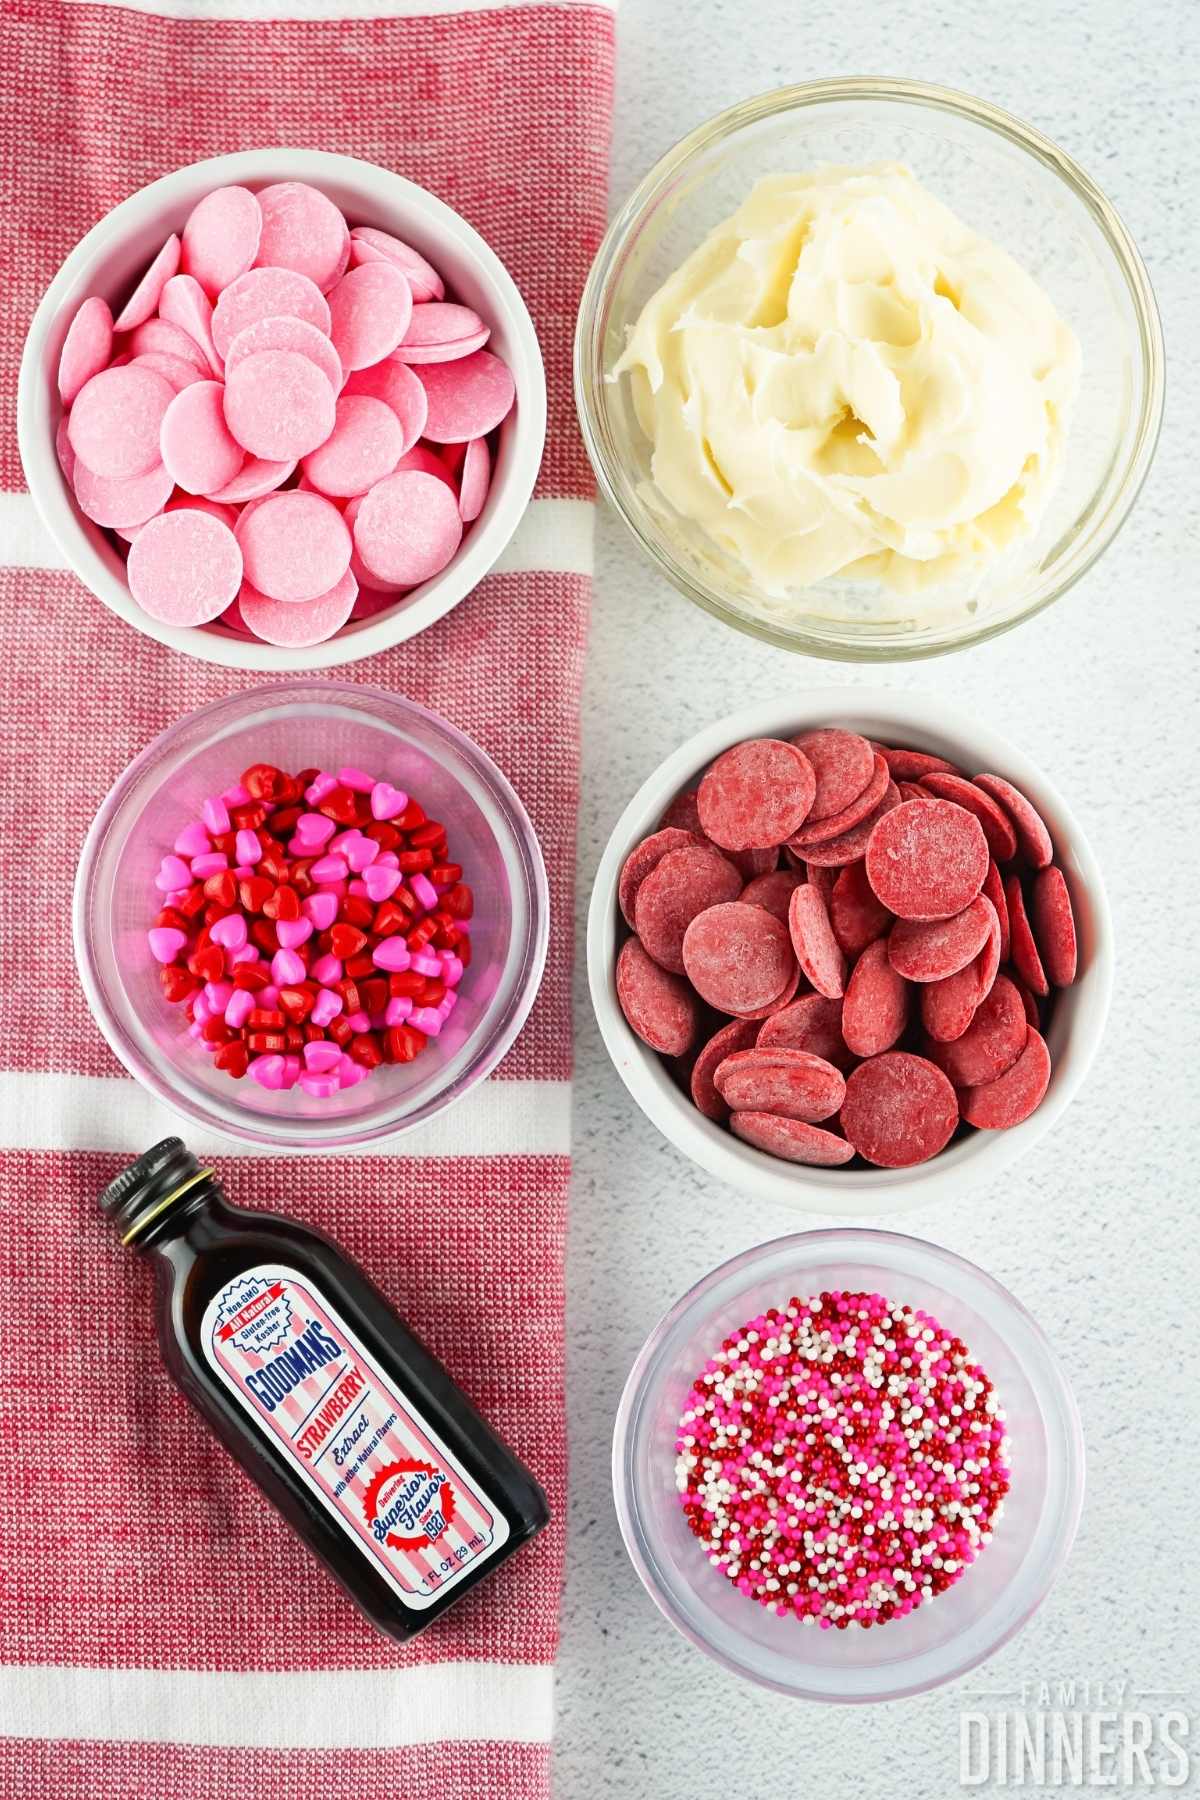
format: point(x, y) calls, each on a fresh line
point(1097, 1230)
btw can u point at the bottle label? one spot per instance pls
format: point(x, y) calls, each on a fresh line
point(376, 1465)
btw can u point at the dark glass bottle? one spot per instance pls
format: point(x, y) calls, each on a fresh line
point(335, 1410)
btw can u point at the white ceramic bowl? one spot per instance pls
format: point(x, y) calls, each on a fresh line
point(108, 260)
point(918, 721)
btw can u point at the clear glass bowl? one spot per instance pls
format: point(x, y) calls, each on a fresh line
point(294, 726)
point(941, 1640)
point(1002, 178)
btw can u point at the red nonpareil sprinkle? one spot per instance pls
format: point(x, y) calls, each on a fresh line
point(842, 1460)
point(265, 930)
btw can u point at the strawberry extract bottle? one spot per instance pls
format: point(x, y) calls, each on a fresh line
point(338, 1413)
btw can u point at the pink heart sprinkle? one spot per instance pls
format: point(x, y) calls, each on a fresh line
point(215, 814)
point(321, 1058)
point(329, 868)
point(392, 954)
point(286, 967)
point(268, 1071)
point(241, 1005)
point(326, 970)
point(209, 862)
point(314, 828)
point(380, 884)
point(361, 853)
point(322, 909)
point(230, 932)
point(326, 1007)
point(356, 778)
point(193, 840)
point(321, 1087)
point(173, 873)
point(165, 943)
point(387, 801)
point(293, 932)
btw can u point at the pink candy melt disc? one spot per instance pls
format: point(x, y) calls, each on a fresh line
point(299, 624)
point(86, 348)
point(468, 398)
point(408, 527)
point(185, 567)
point(279, 405)
point(220, 239)
point(116, 419)
point(295, 546)
point(370, 310)
point(196, 446)
point(303, 231)
point(266, 294)
point(365, 444)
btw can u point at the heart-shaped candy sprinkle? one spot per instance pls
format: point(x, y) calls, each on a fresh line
point(387, 801)
point(381, 883)
point(230, 932)
point(173, 873)
point(392, 954)
point(322, 909)
point(166, 943)
point(193, 840)
point(293, 932)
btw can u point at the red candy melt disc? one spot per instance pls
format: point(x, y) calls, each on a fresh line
point(756, 795)
point(899, 1110)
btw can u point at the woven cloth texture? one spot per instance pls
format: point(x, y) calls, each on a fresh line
point(137, 1544)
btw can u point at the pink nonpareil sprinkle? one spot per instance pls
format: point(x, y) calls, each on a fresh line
point(841, 1459)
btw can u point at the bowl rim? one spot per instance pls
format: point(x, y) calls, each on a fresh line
point(846, 1193)
point(480, 550)
point(588, 350)
point(149, 1074)
point(881, 1242)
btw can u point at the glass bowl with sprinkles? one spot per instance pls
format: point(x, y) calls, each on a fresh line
point(848, 1465)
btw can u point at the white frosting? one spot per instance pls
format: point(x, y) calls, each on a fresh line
point(844, 379)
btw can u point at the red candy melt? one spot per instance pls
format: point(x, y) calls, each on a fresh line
point(756, 795)
point(899, 1110)
point(925, 894)
point(738, 958)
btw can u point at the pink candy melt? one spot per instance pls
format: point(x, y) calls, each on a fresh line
point(263, 355)
point(184, 567)
point(142, 304)
point(408, 527)
point(366, 443)
point(303, 231)
point(265, 294)
point(442, 333)
point(467, 398)
point(278, 405)
point(298, 625)
point(116, 419)
point(295, 546)
point(86, 349)
point(370, 310)
point(196, 445)
point(282, 332)
point(220, 239)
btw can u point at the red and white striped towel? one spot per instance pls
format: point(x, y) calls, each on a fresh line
point(162, 1635)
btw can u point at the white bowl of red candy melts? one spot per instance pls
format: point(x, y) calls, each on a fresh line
point(850, 950)
point(281, 409)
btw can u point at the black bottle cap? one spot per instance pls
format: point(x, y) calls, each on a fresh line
point(144, 1189)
